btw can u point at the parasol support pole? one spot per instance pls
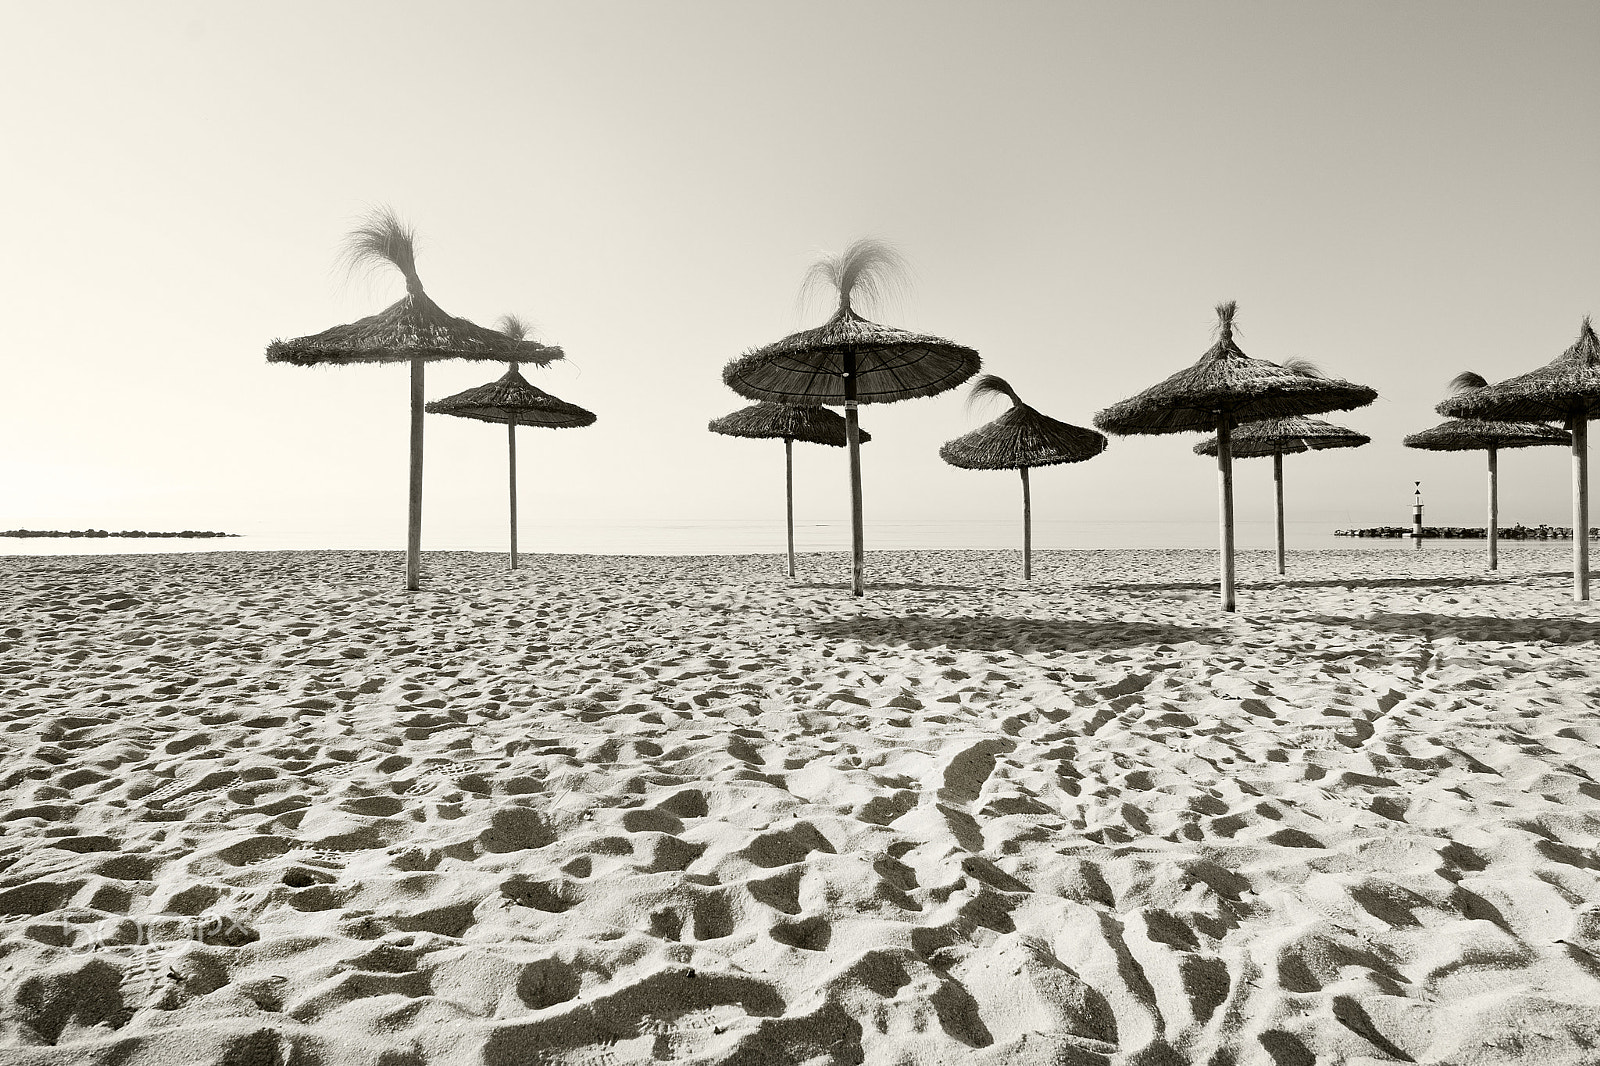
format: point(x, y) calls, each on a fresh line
point(414, 508)
point(1225, 491)
point(788, 495)
point(511, 466)
point(1580, 506)
point(1027, 528)
point(1494, 508)
point(852, 433)
point(1277, 488)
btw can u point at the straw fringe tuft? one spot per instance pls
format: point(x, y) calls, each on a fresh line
point(380, 240)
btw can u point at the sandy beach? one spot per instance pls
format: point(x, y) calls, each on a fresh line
point(269, 809)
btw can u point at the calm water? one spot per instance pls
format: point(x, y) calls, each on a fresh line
point(726, 537)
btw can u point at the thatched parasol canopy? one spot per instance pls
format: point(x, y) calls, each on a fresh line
point(1226, 381)
point(1567, 387)
point(414, 327)
point(789, 423)
point(1227, 388)
point(413, 330)
point(1017, 440)
point(785, 421)
point(514, 402)
point(1286, 436)
point(512, 399)
point(1020, 438)
point(1278, 437)
point(1468, 434)
point(850, 361)
point(1471, 435)
point(1567, 390)
point(891, 364)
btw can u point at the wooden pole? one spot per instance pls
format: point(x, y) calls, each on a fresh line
point(1027, 528)
point(788, 495)
point(1225, 490)
point(1277, 486)
point(511, 465)
point(414, 508)
point(1580, 506)
point(1494, 508)
point(852, 433)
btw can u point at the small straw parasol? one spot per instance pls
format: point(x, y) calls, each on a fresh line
point(1565, 390)
point(849, 360)
point(511, 400)
point(1224, 389)
point(1278, 437)
point(1468, 435)
point(791, 422)
point(414, 330)
point(1017, 440)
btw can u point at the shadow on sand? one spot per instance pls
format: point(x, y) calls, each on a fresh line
point(914, 586)
point(994, 633)
point(1465, 627)
point(1354, 580)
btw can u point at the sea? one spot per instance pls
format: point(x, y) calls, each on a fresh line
point(739, 537)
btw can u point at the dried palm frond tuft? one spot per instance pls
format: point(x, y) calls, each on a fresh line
point(381, 240)
point(869, 268)
point(514, 326)
point(1304, 367)
point(992, 385)
point(1225, 315)
point(1467, 379)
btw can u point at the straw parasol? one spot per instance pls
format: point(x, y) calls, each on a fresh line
point(1278, 437)
point(790, 422)
point(1565, 390)
point(413, 330)
point(1226, 388)
point(1464, 435)
point(511, 400)
point(849, 361)
point(1017, 440)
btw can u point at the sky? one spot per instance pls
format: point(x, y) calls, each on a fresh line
point(1395, 192)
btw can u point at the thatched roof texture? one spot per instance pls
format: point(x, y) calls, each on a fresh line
point(1022, 437)
point(783, 421)
point(1285, 436)
point(411, 328)
point(1567, 387)
point(1470, 434)
point(1226, 381)
point(891, 364)
point(513, 398)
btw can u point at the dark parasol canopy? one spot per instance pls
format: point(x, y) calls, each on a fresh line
point(1017, 440)
point(1224, 389)
point(513, 401)
point(785, 421)
point(1464, 434)
point(1286, 436)
point(1278, 437)
point(414, 330)
point(1565, 390)
point(1469, 435)
point(788, 422)
point(849, 360)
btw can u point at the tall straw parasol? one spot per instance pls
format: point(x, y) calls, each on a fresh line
point(1565, 390)
point(1017, 440)
point(516, 403)
point(849, 360)
point(791, 422)
point(1224, 389)
point(1278, 437)
point(1463, 435)
point(414, 330)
